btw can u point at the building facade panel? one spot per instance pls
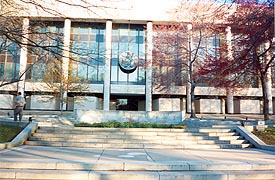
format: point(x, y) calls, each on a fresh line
point(109, 48)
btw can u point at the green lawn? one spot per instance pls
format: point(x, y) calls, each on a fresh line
point(267, 136)
point(7, 133)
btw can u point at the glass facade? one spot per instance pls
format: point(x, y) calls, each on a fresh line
point(128, 44)
point(128, 60)
point(48, 46)
point(169, 57)
point(9, 60)
point(209, 46)
point(172, 51)
point(88, 52)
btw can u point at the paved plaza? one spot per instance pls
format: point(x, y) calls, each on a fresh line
point(237, 159)
point(44, 162)
point(36, 162)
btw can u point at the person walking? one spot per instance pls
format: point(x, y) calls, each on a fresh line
point(18, 105)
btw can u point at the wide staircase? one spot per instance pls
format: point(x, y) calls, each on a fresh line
point(201, 136)
point(139, 138)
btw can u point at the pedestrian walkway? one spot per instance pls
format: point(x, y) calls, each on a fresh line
point(36, 162)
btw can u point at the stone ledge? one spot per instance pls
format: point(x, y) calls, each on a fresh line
point(135, 175)
point(95, 116)
point(254, 139)
point(110, 165)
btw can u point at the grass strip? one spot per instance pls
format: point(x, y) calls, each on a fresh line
point(7, 133)
point(267, 136)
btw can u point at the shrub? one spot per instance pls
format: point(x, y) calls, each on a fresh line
point(131, 124)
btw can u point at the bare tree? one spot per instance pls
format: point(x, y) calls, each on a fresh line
point(252, 25)
point(60, 84)
point(13, 37)
point(180, 47)
point(43, 44)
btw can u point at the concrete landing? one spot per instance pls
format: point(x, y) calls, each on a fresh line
point(38, 162)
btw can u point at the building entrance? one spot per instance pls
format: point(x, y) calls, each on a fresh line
point(127, 104)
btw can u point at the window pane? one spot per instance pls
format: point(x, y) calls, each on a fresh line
point(92, 75)
point(99, 38)
point(100, 73)
point(91, 45)
point(114, 73)
point(84, 31)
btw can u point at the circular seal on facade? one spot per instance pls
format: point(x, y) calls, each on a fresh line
point(128, 62)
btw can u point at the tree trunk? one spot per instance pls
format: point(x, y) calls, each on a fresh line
point(265, 98)
point(61, 99)
point(192, 93)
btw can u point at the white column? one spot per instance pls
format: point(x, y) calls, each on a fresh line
point(23, 57)
point(222, 105)
point(268, 83)
point(230, 103)
point(66, 50)
point(66, 55)
point(149, 58)
point(107, 73)
point(230, 98)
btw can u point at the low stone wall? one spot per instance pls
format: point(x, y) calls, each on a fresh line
point(93, 116)
point(254, 139)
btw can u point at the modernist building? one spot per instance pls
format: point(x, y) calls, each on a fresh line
point(123, 31)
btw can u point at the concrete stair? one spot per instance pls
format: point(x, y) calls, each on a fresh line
point(132, 169)
point(138, 138)
point(110, 170)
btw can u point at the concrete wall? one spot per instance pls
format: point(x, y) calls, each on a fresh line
point(210, 106)
point(43, 102)
point(98, 9)
point(93, 116)
point(87, 103)
point(247, 106)
point(167, 104)
point(250, 106)
point(6, 101)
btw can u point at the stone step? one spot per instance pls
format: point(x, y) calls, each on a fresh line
point(136, 145)
point(183, 137)
point(230, 137)
point(149, 131)
point(129, 141)
point(119, 133)
point(223, 134)
point(133, 166)
point(134, 175)
point(136, 135)
point(138, 138)
point(89, 129)
point(211, 123)
point(111, 138)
